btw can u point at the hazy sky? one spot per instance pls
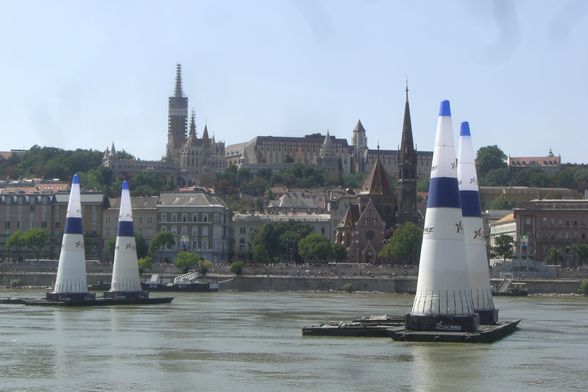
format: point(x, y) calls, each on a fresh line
point(82, 74)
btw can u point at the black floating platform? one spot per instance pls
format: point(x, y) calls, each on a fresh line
point(370, 326)
point(87, 303)
point(484, 334)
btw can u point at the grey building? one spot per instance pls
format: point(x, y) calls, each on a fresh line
point(200, 222)
point(245, 224)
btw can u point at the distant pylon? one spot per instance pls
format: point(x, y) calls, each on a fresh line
point(475, 241)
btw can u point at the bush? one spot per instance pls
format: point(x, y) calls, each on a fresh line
point(204, 267)
point(583, 289)
point(145, 263)
point(237, 267)
point(348, 287)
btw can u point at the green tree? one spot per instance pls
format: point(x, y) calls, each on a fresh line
point(488, 158)
point(583, 289)
point(500, 203)
point(580, 250)
point(423, 184)
point(315, 247)
point(185, 261)
point(265, 243)
point(553, 256)
point(145, 263)
point(162, 240)
point(204, 267)
point(496, 177)
point(16, 240)
point(503, 247)
point(237, 267)
point(405, 244)
point(36, 239)
point(338, 252)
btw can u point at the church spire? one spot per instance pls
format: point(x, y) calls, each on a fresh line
point(407, 164)
point(178, 90)
point(192, 133)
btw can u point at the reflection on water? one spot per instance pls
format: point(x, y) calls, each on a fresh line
point(252, 342)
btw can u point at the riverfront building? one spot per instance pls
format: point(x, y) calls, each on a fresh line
point(200, 222)
point(22, 211)
point(545, 224)
point(245, 224)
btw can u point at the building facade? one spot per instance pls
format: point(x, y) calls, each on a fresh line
point(546, 224)
point(245, 224)
point(278, 152)
point(200, 222)
point(144, 217)
point(21, 211)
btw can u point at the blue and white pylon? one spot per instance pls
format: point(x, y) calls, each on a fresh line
point(125, 275)
point(443, 299)
point(475, 241)
point(71, 271)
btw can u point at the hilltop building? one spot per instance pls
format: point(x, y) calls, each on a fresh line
point(334, 155)
point(549, 163)
point(187, 157)
point(280, 152)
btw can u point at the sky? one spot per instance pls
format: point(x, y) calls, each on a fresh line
point(85, 74)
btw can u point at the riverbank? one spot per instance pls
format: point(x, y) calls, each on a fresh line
point(394, 284)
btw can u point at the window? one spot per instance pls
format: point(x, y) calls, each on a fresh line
point(184, 230)
point(204, 230)
point(204, 217)
point(174, 229)
point(43, 225)
point(184, 217)
point(149, 219)
point(163, 217)
point(163, 228)
point(57, 225)
point(7, 225)
point(174, 217)
point(242, 230)
point(194, 231)
point(194, 217)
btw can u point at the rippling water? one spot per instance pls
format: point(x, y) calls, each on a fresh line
point(252, 342)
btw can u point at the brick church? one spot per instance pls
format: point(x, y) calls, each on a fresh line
point(378, 209)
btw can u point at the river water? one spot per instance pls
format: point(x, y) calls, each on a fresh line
point(252, 342)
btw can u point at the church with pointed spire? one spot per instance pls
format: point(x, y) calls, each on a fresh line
point(379, 208)
point(187, 157)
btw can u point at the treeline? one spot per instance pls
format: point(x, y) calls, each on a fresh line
point(55, 163)
point(246, 189)
point(493, 170)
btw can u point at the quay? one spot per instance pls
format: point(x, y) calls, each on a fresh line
point(87, 303)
